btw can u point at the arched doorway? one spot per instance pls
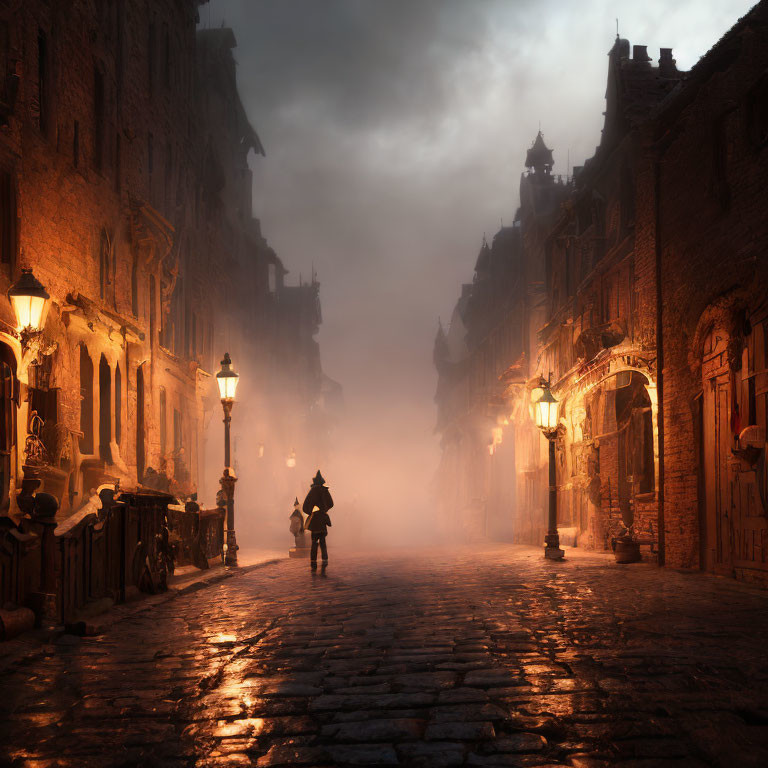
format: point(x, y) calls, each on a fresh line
point(732, 417)
point(612, 458)
point(716, 441)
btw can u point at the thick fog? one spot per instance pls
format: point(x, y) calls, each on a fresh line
point(395, 134)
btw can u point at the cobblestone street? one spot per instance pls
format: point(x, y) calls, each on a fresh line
point(481, 657)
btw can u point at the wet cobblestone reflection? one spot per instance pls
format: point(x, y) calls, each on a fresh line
point(487, 657)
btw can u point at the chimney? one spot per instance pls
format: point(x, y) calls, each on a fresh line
point(667, 65)
point(640, 54)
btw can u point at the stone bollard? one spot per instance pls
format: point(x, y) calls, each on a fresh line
point(301, 546)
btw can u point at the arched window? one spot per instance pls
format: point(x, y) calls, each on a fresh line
point(177, 442)
point(118, 405)
point(152, 309)
point(86, 401)
point(105, 410)
point(634, 418)
point(163, 423)
point(140, 454)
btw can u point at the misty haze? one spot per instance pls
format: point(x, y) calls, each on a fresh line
point(383, 383)
point(395, 135)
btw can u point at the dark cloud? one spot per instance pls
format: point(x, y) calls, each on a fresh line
point(395, 133)
point(358, 63)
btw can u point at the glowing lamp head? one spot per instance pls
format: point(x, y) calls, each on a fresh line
point(290, 462)
point(545, 411)
point(29, 301)
point(227, 380)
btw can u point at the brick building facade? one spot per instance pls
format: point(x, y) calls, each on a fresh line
point(655, 351)
point(711, 162)
point(125, 187)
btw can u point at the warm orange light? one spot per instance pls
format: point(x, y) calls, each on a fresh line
point(222, 637)
point(545, 411)
point(227, 379)
point(290, 462)
point(29, 301)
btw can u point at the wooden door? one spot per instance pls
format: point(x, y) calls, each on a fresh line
point(723, 527)
point(716, 437)
point(7, 431)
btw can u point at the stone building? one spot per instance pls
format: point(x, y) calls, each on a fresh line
point(644, 304)
point(490, 461)
point(597, 346)
point(584, 309)
point(125, 187)
point(468, 394)
point(710, 250)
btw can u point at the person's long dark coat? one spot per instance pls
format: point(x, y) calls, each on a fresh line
point(319, 496)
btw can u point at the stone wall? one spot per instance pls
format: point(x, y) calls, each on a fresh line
point(713, 232)
point(650, 272)
point(125, 187)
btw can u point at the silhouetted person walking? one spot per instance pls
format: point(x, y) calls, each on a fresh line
point(316, 506)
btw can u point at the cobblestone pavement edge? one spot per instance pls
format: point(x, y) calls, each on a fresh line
point(486, 656)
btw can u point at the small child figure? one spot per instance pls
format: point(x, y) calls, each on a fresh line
point(316, 505)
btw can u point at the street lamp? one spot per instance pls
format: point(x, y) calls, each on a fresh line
point(227, 380)
point(30, 302)
point(545, 415)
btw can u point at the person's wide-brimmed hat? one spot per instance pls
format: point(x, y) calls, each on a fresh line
point(318, 479)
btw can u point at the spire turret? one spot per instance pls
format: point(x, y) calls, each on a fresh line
point(483, 262)
point(440, 353)
point(539, 156)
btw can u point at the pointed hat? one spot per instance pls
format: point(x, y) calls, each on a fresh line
point(318, 479)
point(296, 502)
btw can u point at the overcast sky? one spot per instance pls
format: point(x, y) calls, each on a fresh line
point(395, 133)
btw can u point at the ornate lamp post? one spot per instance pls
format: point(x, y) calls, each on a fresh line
point(227, 380)
point(30, 302)
point(545, 415)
